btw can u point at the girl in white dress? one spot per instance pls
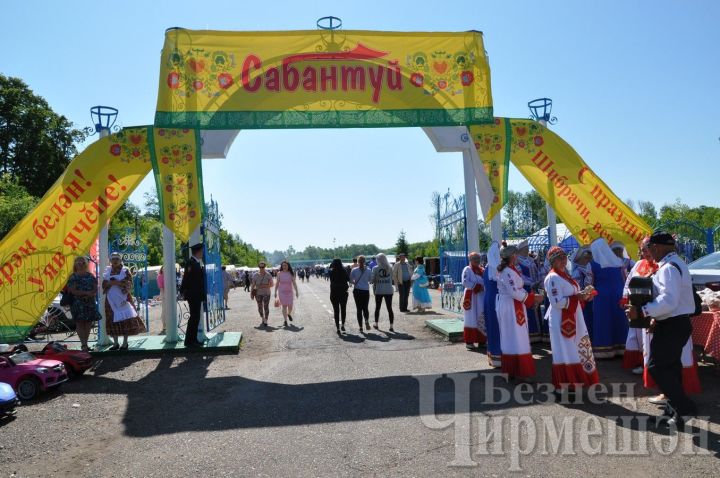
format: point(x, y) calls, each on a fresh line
point(512, 300)
point(572, 355)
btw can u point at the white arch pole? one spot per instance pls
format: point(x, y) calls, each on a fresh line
point(170, 296)
point(471, 219)
point(103, 259)
point(551, 217)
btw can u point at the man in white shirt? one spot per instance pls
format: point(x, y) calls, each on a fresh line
point(671, 309)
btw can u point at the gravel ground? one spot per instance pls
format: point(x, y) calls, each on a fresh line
point(303, 402)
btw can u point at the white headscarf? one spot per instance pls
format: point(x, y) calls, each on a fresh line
point(603, 255)
point(620, 245)
point(493, 257)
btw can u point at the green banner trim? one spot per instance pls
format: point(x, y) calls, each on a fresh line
point(292, 119)
point(198, 171)
point(508, 149)
point(156, 173)
point(10, 334)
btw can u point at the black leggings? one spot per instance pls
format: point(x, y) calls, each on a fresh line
point(362, 299)
point(339, 304)
point(388, 304)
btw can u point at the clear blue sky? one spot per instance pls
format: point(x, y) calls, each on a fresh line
point(635, 84)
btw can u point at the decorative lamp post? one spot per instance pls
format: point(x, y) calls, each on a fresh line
point(540, 111)
point(103, 118)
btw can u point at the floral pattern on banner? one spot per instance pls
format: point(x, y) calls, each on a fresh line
point(130, 144)
point(489, 141)
point(526, 135)
point(177, 174)
point(441, 72)
point(201, 72)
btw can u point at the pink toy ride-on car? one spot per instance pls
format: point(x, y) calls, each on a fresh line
point(30, 375)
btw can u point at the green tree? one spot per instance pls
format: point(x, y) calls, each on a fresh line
point(647, 211)
point(36, 144)
point(15, 203)
point(151, 205)
point(401, 245)
point(524, 213)
point(234, 250)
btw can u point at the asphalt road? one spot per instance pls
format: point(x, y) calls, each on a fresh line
point(303, 402)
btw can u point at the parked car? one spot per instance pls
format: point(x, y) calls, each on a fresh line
point(29, 375)
point(76, 361)
point(705, 272)
point(8, 400)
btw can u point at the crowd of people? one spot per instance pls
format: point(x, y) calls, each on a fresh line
point(583, 306)
point(383, 278)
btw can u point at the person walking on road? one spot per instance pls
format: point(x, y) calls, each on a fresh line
point(193, 290)
point(360, 278)
point(227, 283)
point(383, 288)
point(402, 271)
point(285, 285)
point(262, 283)
point(339, 284)
point(247, 281)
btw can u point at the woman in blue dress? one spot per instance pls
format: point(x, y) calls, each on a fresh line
point(491, 291)
point(421, 297)
point(609, 323)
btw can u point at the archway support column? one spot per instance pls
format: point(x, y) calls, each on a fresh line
point(471, 213)
point(169, 299)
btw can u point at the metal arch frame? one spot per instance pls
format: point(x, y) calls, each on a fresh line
point(214, 305)
point(451, 213)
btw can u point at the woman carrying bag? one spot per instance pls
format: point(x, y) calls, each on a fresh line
point(82, 287)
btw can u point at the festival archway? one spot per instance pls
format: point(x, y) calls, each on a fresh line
point(213, 84)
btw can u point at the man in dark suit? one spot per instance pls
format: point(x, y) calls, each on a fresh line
point(193, 290)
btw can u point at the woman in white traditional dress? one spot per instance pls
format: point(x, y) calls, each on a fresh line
point(120, 316)
point(512, 300)
point(572, 355)
point(474, 331)
point(645, 267)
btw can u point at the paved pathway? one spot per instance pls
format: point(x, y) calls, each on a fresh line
point(303, 402)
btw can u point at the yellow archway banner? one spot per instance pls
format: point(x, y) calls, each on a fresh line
point(178, 177)
point(316, 78)
point(493, 147)
point(587, 206)
point(38, 253)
